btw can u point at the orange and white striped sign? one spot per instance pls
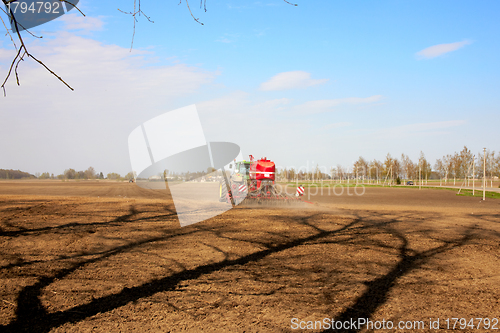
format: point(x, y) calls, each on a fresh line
point(242, 188)
point(300, 191)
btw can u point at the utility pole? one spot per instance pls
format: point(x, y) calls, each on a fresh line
point(484, 174)
point(473, 173)
point(419, 178)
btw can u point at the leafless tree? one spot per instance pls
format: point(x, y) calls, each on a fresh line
point(375, 170)
point(440, 168)
point(388, 166)
point(425, 166)
point(360, 168)
point(90, 173)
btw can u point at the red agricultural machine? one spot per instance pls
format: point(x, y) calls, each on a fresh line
point(254, 182)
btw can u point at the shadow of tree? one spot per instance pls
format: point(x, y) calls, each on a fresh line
point(305, 230)
point(409, 260)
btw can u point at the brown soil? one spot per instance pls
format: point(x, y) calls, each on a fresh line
point(111, 257)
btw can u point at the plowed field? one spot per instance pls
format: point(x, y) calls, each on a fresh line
point(111, 257)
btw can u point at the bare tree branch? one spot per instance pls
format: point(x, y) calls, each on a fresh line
point(137, 5)
point(10, 69)
point(47, 68)
point(15, 70)
point(204, 2)
point(23, 50)
point(73, 5)
point(7, 29)
point(189, 8)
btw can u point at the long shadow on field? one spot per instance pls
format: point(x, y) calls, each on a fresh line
point(78, 225)
point(379, 288)
point(32, 315)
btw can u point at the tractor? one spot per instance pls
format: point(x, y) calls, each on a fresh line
point(253, 181)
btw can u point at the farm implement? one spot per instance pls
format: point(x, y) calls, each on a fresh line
point(254, 181)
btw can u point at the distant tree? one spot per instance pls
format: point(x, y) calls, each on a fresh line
point(375, 169)
point(388, 166)
point(424, 166)
point(397, 170)
point(360, 168)
point(492, 166)
point(465, 160)
point(14, 174)
point(69, 173)
point(90, 173)
point(407, 167)
point(456, 167)
point(113, 176)
point(130, 175)
point(318, 175)
point(448, 165)
point(341, 172)
point(496, 165)
point(101, 176)
point(491, 163)
point(440, 168)
point(44, 175)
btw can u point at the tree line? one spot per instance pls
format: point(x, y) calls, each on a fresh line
point(451, 167)
point(14, 174)
point(88, 174)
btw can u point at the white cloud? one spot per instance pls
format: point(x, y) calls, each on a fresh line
point(327, 104)
point(76, 21)
point(418, 129)
point(115, 90)
point(440, 49)
point(261, 128)
point(422, 127)
point(228, 38)
point(291, 80)
point(336, 125)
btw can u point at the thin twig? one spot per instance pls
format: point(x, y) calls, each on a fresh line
point(17, 24)
point(41, 63)
point(134, 13)
point(15, 70)
point(147, 17)
point(72, 4)
point(23, 50)
point(10, 69)
point(204, 5)
point(293, 4)
point(133, 34)
point(196, 19)
point(8, 32)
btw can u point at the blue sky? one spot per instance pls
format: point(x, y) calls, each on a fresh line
point(324, 82)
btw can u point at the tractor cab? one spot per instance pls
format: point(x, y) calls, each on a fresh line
point(241, 171)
